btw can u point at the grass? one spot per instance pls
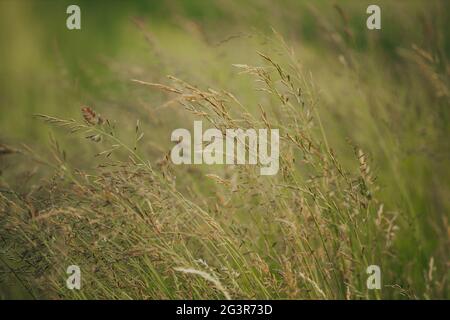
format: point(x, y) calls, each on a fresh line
point(363, 163)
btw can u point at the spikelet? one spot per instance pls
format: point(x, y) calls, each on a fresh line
point(364, 166)
point(4, 149)
point(91, 116)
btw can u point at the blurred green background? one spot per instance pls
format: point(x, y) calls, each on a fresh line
point(47, 68)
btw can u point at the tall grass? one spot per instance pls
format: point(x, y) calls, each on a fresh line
point(363, 165)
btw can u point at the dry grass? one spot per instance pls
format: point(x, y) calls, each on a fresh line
point(308, 233)
point(362, 180)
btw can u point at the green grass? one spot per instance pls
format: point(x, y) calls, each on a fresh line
point(363, 165)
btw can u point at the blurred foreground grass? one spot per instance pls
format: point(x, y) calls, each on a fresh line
point(383, 92)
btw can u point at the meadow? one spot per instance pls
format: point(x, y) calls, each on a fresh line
point(86, 178)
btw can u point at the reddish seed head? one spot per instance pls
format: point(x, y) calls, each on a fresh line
point(90, 116)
